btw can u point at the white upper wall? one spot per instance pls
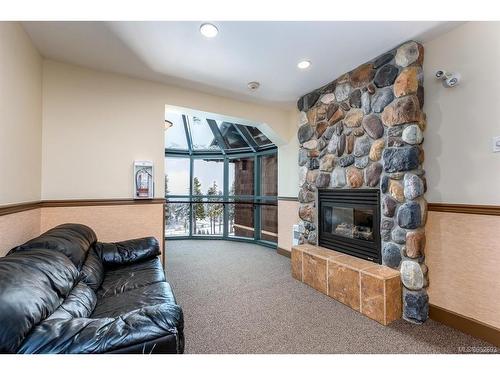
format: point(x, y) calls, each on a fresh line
point(95, 124)
point(459, 162)
point(20, 116)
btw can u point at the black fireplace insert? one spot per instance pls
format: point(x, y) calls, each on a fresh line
point(349, 222)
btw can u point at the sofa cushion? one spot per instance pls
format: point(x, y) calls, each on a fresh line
point(32, 285)
point(127, 252)
point(120, 279)
point(79, 303)
point(86, 335)
point(72, 240)
point(149, 295)
point(92, 272)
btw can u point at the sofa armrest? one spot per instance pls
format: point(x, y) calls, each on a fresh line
point(85, 335)
point(127, 252)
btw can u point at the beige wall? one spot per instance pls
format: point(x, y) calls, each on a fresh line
point(463, 256)
point(95, 124)
point(288, 215)
point(288, 153)
point(111, 223)
point(459, 163)
point(288, 185)
point(20, 116)
point(18, 228)
point(462, 250)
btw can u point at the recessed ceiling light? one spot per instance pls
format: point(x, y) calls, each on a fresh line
point(304, 64)
point(208, 30)
point(254, 85)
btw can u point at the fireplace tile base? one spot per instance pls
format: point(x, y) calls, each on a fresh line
point(372, 289)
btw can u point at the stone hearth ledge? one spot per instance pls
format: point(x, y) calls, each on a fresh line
point(367, 287)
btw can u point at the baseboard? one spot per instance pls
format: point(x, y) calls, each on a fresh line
point(465, 324)
point(284, 252)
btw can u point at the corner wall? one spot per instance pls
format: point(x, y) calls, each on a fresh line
point(20, 133)
point(462, 248)
point(95, 124)
point(20, 116)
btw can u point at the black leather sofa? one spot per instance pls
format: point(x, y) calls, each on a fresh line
point(65, 292)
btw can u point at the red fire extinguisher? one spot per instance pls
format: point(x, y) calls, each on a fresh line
point(143, 182)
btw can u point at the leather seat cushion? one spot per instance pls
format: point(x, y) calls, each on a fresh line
point(121, 279)
point(92, 272)
point(80, 303)
point(123, 303)
point(86, 335)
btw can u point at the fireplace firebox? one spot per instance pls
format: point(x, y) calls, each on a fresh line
point(349, 222)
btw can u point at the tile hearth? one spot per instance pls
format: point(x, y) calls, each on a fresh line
point(367, 287)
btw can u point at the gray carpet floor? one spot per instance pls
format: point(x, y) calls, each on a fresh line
point(241, 298)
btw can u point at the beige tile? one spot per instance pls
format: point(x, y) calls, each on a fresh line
point(296, 263)
point(343, 285)
point(370, 288)
point(381, 272)
point(318, 251)
point(314, 272)
point(372, 298)
point(353, 262)
point(393, 300)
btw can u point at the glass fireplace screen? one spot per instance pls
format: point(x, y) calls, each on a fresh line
point(349, 222)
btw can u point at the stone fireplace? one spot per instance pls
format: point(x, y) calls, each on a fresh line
point(363, 132)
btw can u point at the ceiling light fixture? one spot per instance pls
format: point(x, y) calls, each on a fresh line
point(304, 64)
point(208, 30)
point(254, 85)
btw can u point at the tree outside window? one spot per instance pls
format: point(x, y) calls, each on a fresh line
point(198, 207)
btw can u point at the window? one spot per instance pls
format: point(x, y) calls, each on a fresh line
point(220, 180)
point(208, 217)
point(208, 176)
point(241, 176)
point(232, 138)
point(241, 220)
point(258, 137)
point(177, 219)
point(269, 222)
point(175, 134)
point(176, 176)
point(269, 172)
point(203, 138)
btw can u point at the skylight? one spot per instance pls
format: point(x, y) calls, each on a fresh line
point(197, 135)
point(175, 134)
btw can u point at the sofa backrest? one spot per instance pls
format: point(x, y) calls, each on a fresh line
point(72, 240)
point(33, 284)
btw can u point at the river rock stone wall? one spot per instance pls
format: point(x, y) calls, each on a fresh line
point(365, 130)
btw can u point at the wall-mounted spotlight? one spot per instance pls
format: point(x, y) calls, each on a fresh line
point(449, 79)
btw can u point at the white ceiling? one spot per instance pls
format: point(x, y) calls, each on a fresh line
point(268, 52)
